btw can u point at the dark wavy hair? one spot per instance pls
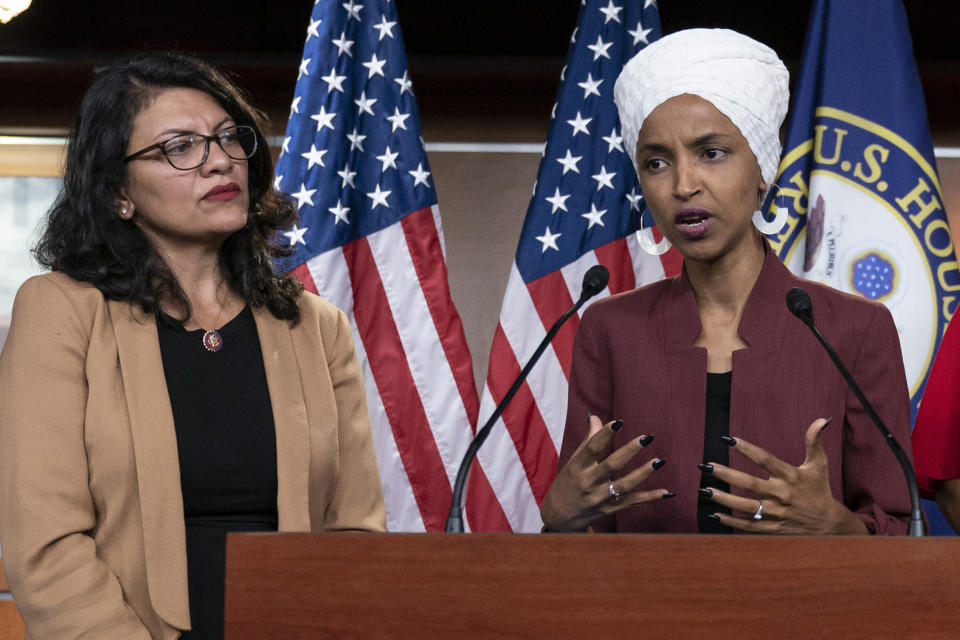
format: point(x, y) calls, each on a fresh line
point(86, 239)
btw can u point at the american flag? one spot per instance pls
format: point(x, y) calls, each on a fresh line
point(370, 241)
point(584, 211)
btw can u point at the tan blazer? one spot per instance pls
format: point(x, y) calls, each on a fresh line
point(91, 514)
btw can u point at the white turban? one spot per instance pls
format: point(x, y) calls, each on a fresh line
point(742, 78)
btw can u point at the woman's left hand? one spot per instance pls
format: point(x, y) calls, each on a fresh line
point(796, 500)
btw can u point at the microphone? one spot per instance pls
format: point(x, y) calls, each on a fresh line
point(798, 301)
point(594, 282)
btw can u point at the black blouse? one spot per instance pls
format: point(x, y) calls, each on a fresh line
point(227, 449)
point(715, 449)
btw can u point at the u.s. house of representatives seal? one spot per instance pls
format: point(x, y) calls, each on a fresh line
point(867, 218)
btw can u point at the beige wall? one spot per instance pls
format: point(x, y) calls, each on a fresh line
point(949, 171)
point(483, 199)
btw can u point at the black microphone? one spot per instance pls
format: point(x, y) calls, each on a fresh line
point(594, 282)
point(798, 301)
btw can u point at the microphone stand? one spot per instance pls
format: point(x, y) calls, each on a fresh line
point(805, 314)
point(590, 289)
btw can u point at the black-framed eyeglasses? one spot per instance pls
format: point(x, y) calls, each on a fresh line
point(190, 150)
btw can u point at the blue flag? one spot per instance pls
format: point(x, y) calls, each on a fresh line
point(859, 178)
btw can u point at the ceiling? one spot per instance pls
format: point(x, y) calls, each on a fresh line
point(474, 63)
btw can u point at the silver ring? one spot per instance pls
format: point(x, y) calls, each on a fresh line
point(759, 514)
point(613, 492)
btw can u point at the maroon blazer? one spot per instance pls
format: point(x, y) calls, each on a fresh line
point(634, 359)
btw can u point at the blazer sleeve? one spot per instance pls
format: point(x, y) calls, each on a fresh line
point(61, 587)
point(874, 487)
point(357, 501)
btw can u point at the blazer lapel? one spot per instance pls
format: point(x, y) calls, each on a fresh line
point(686, 364)
point(155, 453)
point(758, 386)
point(285, 383)
point(685, 372)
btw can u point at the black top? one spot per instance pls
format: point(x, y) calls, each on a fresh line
point(715, 449)
point(227, 448)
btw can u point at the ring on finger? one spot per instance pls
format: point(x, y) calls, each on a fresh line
point(756, 516)
point(613, 492)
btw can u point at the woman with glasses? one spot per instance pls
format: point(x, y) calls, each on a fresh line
point(162, 386)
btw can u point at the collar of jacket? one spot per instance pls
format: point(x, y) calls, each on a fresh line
point(155, 447)
point(763, 316)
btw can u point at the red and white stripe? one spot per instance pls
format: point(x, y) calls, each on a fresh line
point(519, 459)
point(393, 286)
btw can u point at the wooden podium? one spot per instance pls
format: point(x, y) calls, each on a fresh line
point(357, 585)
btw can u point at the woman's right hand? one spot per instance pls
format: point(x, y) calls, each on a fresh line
point(585, 489)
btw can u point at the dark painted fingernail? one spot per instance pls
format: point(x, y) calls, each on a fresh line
point(729, 440)
point(826, 423)
point(616, 426)
point(658, 463)
point(669, 494)
point(706, 493)
point(645, 440)
point(712, 516)
point(705, 467)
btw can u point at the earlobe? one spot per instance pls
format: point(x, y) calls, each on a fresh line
point(122, 204)
point(124, 209)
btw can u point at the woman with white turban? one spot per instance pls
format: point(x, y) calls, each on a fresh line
point(689, 369)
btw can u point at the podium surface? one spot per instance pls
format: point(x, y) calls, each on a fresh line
point(362, 585)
